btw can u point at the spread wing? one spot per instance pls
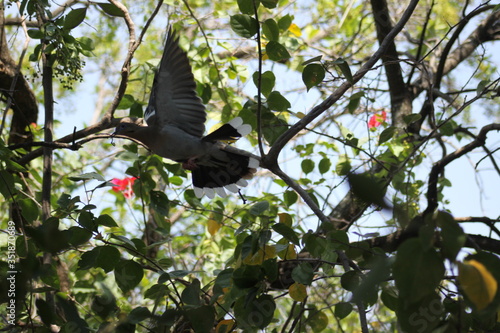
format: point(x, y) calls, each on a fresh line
point(173, 97)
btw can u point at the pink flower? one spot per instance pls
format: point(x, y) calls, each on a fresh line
point(377, 119)
point(124, 185)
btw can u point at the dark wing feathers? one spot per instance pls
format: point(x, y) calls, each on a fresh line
point(173, 97)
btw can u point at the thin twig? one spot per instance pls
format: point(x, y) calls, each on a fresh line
point(437, 168)
point(259, 82)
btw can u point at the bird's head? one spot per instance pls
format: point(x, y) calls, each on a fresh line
point(127, 126)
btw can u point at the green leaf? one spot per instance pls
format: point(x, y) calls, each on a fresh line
point(421, 316)
point(324, 165)
point(136, 110)
point(343, 309)
point(247, 6)
point(79, 236)
point(44, 310)
point(338, 238)
point(29, 209)
point(111, 9)
point(350, 280)
point(276, 101)
point(389, 297)
point(6, 185)
point(180, 273)
point(303, 273)
point(247, 276)
point(317, 320)
point(157, 291)
point(104, 257)
point(354, 101)
point(35, 34)
point(269, 3)
point(201, 318)
point(315, 59)
point(314, 244)
point(367, 291)
point(267, 82)
point(124, 240)
point(273, 126)
point(285, 22)
point(74, 18)
point(244, 25)
point(286, 232)
point(452, 235)
point(411, 118)
point(259, 208)
point(344, 68)
point(106, 220)
point(87, 176)
point(159, 202)
point(290, 197)
point(313, 75)
point(223, 279)
point(417, 271)
point(368, 188)
point(138, 314)
point(307, 166)
point(481, 86)
point(276, 51)
point(271, 269)
point(191, 294)
point(254, 313)
point(271, 30)
point(86, 43)
point(87, 220)
point(386, 134)
point(205, 92)
point(128, 274)
point(447, 128)
point(126, 102)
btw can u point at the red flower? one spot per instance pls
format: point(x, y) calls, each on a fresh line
point(377, 119)
point(124, 185)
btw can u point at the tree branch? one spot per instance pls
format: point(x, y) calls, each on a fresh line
point(438, 167)
point(271, 159)
point(488, 30)
point(400, 95)
point(20, 97)
point(133, 45)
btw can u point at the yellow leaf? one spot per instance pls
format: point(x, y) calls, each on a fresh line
point(298, 292)
point(289, 253)
point(294, 29)
point(285, 218)
point(213, 226)
point(261, 255)
point(224, 326)
point(300, 115)
point(477, 283)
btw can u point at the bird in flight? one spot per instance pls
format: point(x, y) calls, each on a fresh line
point(175, 118)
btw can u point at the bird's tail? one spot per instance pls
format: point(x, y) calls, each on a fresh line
point(223, 175)
point(227, 170)
point(231, 131)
